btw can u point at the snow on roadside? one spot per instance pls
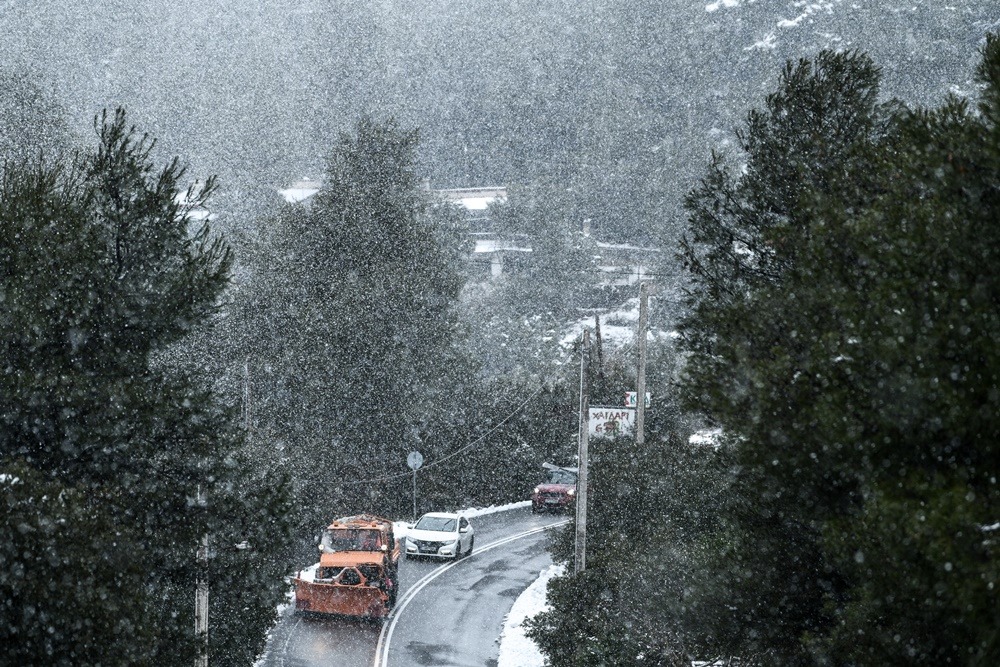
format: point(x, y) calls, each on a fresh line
point(400, 528)
point(493, 509)
point(516, 650)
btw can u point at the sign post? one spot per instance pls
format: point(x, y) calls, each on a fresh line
point(415, 460)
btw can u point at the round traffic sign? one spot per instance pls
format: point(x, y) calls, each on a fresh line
point(415, 460)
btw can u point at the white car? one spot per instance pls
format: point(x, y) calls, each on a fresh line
point(440, 535)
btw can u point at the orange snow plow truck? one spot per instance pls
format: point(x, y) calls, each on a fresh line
point(358, 570)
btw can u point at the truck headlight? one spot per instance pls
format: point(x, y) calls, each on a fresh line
point(571, 492)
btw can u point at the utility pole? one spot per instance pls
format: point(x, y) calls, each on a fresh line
point(600, 344)
point(580, 561)
point(640, 390)
point(201, 594)
point(246, 397)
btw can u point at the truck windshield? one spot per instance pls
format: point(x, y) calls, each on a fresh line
point(350, 539)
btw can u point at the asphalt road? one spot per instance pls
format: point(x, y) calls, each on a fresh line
point(447, 614)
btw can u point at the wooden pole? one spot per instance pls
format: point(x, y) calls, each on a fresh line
point(201, 595)
point(580, 561)
point(640, 390)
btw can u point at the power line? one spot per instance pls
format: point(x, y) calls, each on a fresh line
point(458, 451)
point(483, 437)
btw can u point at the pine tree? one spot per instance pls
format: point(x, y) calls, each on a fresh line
point(742, 220)
point(102, 272)
point(748, 238)
point(348, 326)
point(918, 555)
point(853, 383)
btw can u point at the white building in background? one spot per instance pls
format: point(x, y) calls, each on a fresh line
point(300, 191)
point(620, 264)
point(473, 200)
point(497, 253)
point(487, 249)
point(623, 264)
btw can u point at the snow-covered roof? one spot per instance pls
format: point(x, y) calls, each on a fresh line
point(187, 200)
point(625, 246)
point(200, 214)
point(300, 191)
point(486, 246)
point(473, 199)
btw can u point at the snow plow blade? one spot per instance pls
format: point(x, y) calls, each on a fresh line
point(337, 600)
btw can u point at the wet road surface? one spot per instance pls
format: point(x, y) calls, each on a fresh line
point(448, 613)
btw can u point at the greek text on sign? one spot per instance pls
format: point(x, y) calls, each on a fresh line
point(630, 399)
point(611, 422)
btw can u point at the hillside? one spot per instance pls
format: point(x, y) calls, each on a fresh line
point(621, 101)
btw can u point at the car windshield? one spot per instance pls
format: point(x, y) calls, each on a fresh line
point(562, 477)
point(441, 524)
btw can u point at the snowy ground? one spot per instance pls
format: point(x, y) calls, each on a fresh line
point(619, 327)
point(516, 650)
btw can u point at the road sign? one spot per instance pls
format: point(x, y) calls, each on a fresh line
point(415, 460)
point(630, 397)
point(611, 422)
